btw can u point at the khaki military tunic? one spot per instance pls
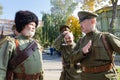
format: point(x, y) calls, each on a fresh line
point(32, 65)
point(97, 55)
point(69, 72)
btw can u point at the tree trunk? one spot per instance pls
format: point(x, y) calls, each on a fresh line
point(114, 13)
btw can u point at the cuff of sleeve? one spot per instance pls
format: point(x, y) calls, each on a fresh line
point(84, 54)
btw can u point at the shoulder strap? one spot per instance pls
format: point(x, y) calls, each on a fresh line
point(106, 45)
point(17, 60)
point(109, 51)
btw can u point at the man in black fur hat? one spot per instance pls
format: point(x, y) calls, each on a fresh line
point(21, 58)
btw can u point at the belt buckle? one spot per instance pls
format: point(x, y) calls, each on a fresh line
point(83, 68)
point(94, 69)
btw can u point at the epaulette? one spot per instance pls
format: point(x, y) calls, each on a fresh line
point(6, 38)
point(105, 32)
point(10, 38)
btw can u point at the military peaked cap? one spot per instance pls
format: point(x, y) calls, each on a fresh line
point(64, 28)
point(86, 15)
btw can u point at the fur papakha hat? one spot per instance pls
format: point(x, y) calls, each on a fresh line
point(23, 18)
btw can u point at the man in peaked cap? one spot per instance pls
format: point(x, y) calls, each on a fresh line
point(65, 44)
point(22, 58)
point(95, 50)
point(86, 15)
point(64, 28)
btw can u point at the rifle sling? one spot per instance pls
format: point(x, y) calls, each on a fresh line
point(17, 60)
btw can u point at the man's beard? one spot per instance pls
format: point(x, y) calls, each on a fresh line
point(29, 33)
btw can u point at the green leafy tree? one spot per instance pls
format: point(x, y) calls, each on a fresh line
point(38, 34)
point(46, 27)
point(60, 10)
point(1, 9)
point(63, 7)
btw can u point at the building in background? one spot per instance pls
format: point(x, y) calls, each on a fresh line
point(6, 26)
point(104, 19)
point(103, 23)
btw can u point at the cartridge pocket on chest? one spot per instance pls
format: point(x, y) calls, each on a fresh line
point(99, 51)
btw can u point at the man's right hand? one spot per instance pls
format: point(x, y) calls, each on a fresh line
point(86, 48)
point(65, 32)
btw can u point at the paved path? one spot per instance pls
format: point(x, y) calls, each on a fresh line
point(52, 67)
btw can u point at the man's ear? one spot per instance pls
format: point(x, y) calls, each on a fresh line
point(93, 21)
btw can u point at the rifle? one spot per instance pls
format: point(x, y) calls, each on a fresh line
point(1, 36)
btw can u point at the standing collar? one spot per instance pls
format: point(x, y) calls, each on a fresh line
point(92, 32)
point(21, 36)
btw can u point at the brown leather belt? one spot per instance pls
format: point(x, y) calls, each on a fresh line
point(68, 66)
point(27, 76)
point(97, 69)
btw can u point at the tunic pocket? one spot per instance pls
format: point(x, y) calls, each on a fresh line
point(100, 53)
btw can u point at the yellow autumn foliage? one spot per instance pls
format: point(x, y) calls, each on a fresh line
point(73, 22)
point(92, 5)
